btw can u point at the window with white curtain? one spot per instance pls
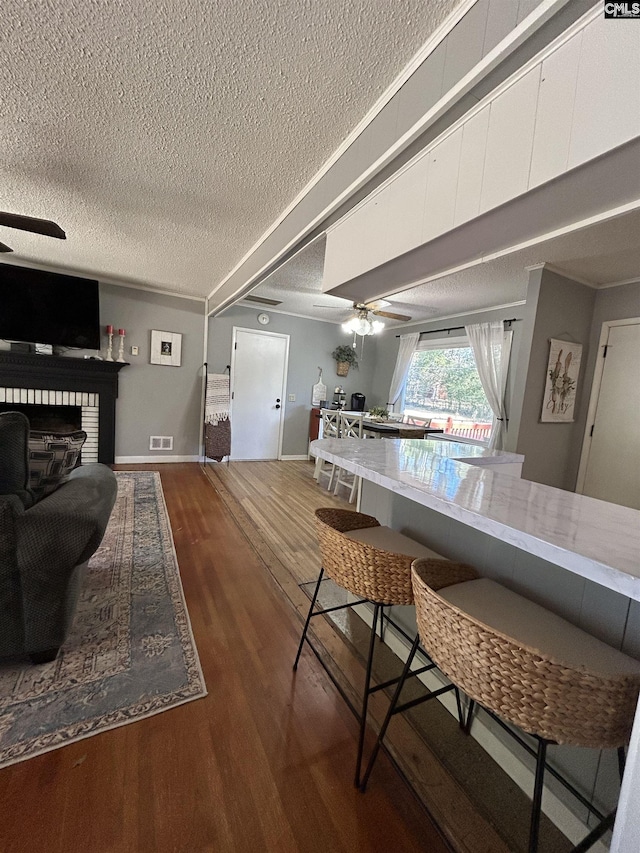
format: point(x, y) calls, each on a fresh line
point(443, 387)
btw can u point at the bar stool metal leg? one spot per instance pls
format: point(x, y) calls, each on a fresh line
point(390, 710)
point(607, 823)
point(469, 720)
point(459, 706)
point(365, 697)
point(595, 833)
point(309, 614)
point(536, 805)
point(382, 622)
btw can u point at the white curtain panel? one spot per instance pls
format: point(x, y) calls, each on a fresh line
point(491, 347)
point(408, 344)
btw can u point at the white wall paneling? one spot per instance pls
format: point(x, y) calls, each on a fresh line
point(372, 234)
point(441, 186)
point(554, 115)
point(469, 189)
point(577, 99)
point(607, 105)
point(406, 201)
point(343, 258)
point(510, 142)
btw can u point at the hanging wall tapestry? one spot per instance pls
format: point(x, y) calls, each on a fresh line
point(562, 379)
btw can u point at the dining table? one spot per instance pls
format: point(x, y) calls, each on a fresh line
point(397, 429)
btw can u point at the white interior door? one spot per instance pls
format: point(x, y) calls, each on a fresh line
point(610, 468)
point(258, 383)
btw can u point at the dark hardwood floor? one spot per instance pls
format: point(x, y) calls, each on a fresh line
point(263, 763)
point(478, 807)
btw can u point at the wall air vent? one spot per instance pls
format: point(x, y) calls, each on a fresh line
point(261, 300)
point(160, 442)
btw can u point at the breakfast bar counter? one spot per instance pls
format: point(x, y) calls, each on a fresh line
point(594, 539)
point(571, 553)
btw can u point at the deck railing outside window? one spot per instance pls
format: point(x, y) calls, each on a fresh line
point(463, 429)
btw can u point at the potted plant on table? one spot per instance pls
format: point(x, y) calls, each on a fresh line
point(345, 357)
point(378, 413)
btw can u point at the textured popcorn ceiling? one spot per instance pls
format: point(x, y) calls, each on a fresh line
point(166, 137)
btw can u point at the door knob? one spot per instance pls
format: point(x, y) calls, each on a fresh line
point(277, 405)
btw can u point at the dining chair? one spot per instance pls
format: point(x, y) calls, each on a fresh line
point(351, 426)
point(412, 420)
point(330, 429)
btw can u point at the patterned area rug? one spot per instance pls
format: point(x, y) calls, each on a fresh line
point(130, 653)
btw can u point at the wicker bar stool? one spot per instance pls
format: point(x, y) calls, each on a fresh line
point(374, 563)
point(530, 668)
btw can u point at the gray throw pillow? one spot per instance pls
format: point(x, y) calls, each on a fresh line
point(52, 457)
point(14, 462)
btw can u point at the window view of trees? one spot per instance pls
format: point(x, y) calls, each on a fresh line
point(445, 383)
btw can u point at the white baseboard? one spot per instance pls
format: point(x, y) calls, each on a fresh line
point(294, 458)
point(153, 460)
point(521, 774)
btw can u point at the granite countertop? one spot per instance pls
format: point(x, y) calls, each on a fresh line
point(593, 538)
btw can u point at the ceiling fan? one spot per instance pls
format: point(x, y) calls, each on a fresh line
point(361, 323)
point(363, 309)
point(30, 223)
point(376, 308)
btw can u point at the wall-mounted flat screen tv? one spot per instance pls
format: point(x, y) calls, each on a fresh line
point(48, 308)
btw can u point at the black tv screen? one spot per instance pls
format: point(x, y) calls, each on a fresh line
point(48, 308)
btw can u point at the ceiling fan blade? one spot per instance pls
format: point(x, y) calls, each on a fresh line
point(31, 223)
point(392, 316)
point(5, 248)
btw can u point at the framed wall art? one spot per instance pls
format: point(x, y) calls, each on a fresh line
point(563, 370)
point(166, 348)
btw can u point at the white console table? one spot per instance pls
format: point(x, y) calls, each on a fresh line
point(592, 539)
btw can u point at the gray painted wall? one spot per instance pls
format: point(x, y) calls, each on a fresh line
point(157, 400)
point(311, 343)
point(555, 305)
point(154, 399)
point(564, 310)
point(520, 358)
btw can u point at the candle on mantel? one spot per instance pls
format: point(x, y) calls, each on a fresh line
point(109, 330)
point(121, 332)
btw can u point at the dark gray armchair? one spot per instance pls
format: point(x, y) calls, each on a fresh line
point(44, 545)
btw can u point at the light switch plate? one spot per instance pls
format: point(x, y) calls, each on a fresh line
point(134, 350)
point(292, 398)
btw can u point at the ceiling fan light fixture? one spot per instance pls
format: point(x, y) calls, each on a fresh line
point(362, 325)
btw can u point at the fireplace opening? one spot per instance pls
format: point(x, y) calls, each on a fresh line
point(48, 418)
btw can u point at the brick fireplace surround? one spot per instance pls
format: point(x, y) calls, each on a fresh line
point(49, 380)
